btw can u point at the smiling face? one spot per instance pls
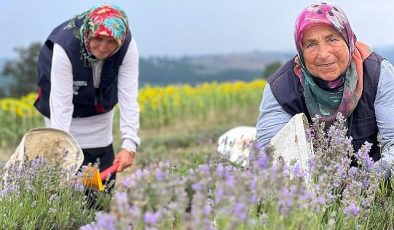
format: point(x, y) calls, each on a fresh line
point(325, 52)
point(102, 46)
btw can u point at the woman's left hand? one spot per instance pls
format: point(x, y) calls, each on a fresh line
point(125, 159)
point(383, 168)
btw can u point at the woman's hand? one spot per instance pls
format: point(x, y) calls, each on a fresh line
point(383, 168)
point(125, 159)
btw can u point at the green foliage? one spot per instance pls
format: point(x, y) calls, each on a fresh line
point(23, 71)
point(271, 69)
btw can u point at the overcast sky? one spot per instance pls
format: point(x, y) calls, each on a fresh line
point(194, 27)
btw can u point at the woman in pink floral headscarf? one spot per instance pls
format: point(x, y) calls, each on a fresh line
point(332, 73)
point(86, 66)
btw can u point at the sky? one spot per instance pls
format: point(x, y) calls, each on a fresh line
point(177, 28)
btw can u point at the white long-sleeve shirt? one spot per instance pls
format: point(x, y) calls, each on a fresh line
point(95, 131)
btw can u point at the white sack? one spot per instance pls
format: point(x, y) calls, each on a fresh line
point(235, 143)
point(55, 146)
point(290, 142)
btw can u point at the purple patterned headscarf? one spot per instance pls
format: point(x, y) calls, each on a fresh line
point(326, 99)
point(327, 14)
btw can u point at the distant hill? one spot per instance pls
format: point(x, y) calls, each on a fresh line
point(207, 68)
point(164, 71)
point(197, 69)
point(386, 52)
point(253, 61)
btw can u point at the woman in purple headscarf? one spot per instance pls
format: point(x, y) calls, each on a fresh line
point(333, 73)
point(86, 66)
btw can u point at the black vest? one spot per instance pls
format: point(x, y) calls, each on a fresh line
point(87, 100)
point(288, 91)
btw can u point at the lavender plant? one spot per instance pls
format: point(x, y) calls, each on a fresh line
point(36, 195)
point(263, 195)
point(338, 183)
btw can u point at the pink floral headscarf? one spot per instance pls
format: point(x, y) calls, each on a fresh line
point(327, 14)
point(344, 92)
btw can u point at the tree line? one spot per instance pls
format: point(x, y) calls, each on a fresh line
point(23, 72)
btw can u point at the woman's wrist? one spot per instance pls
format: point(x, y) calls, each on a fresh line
point(129, 151)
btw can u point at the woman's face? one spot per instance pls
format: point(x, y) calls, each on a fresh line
point(326, 54)
point(102, 46)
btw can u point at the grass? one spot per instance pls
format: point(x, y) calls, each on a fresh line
point(186, 144)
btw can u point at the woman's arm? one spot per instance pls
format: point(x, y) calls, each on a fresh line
point(271, 119)
point(384, 110)
point(61, 95)
point(127, 94)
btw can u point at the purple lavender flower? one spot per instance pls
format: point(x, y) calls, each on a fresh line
point(160, 175)
point(220, 169)
point(288, 195)
point(252, 198)
point(207, 210)
point(133, 211)
point(196, 186)
point(88, 227)
point(320, 200)
point(252, 183)
point(366, 203)
point(230, 180)
point(219, 194)
point(308, 134)
point(3, 192)
point(306, 196)
point(365, 183)
point(121, 198)
point(363, 157)
point(240, 211)
point(129, 182)
point(352, 172)
point(151, 218)
point(105, 221)
point(37, 163)
point(310, 164)
point(297, 170)
point(351, 210)
point(204, 168)
point(258, 145)
point(262, 162)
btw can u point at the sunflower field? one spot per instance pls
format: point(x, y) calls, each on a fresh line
point(159, 106)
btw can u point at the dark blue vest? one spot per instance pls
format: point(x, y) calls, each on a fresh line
point(288, 91)
point(87, 100)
